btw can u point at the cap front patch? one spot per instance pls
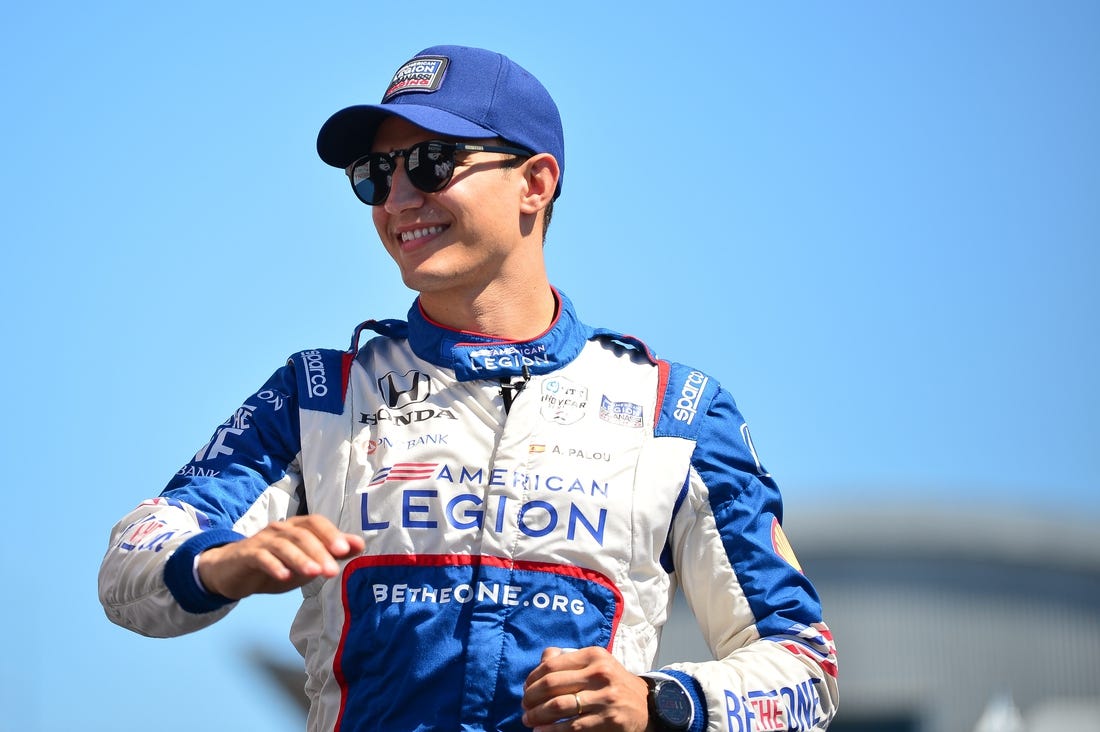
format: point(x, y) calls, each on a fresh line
point(422, 74)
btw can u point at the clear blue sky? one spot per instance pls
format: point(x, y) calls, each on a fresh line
point(877, 223)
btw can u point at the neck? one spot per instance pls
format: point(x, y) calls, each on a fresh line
point(501, 312)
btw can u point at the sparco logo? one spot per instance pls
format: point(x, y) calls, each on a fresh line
point(688, 404)
point(399, 391)
point(315, 373)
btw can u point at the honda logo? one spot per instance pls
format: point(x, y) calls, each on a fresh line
point(400, 390)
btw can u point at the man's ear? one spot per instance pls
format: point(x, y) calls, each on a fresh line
point(540, 173)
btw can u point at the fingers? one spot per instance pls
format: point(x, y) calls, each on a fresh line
point(580, 710)
point(552, 689)
point(556, 659)
point(338, 544)
point(299, 550)
point(282, 556)
point(556, 712)
point(553, 660)
point(583, 689)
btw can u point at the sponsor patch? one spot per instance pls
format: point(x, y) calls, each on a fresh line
point(149, 534)
point(373, 445)
point(771, 710)
point(782, 546)
point(508, 357)
point(624, 414)
point(403, 471)
point(315, 369)
point(687, 406)
point(423, 74)
point(400, 390)
point(563, 401)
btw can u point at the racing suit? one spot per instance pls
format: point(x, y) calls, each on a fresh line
point(513, 496)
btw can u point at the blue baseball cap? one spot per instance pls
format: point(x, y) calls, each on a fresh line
point(455, 91)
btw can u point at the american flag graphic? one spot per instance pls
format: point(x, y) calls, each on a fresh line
point(403, 471)
point(814, 642)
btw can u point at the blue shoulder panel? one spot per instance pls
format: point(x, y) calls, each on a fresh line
point(747, 508)
point(322, 378)
point(682, 404)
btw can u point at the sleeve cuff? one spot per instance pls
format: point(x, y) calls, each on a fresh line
point(182, 579)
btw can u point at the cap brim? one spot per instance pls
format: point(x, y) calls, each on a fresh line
point(349, 134)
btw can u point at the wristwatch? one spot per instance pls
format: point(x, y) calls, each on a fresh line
point(670, 707)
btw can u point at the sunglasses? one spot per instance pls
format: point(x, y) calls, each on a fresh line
point(429, 166)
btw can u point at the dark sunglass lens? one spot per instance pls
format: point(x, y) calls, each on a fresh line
point(371, 179)
point(430, 165)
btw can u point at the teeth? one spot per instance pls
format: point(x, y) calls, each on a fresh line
point(420, 233)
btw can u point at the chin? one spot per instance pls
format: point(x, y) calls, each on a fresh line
point(426, 281)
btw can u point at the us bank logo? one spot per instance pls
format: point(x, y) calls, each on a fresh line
point(400, 390)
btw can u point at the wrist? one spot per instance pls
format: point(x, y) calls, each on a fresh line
point(205, 576)
point(671, 707)
point(181, 572)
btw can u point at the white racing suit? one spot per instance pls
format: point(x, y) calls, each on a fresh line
point(513, 496)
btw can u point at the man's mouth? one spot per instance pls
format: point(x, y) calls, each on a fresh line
point(413, 235)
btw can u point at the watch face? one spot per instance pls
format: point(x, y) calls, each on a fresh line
point(673, 704)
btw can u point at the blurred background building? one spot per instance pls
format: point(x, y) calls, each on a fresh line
point(957, 621)
point(946, 620)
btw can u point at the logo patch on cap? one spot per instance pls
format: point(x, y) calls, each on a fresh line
point(422, 74)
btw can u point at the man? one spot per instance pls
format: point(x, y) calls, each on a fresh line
point(487, 507)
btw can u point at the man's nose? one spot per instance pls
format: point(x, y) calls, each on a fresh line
point(403, 194)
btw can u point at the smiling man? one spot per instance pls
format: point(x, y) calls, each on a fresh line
point(489, 506)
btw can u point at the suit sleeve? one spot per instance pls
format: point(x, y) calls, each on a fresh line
point(760, 615)
point(246, 476)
